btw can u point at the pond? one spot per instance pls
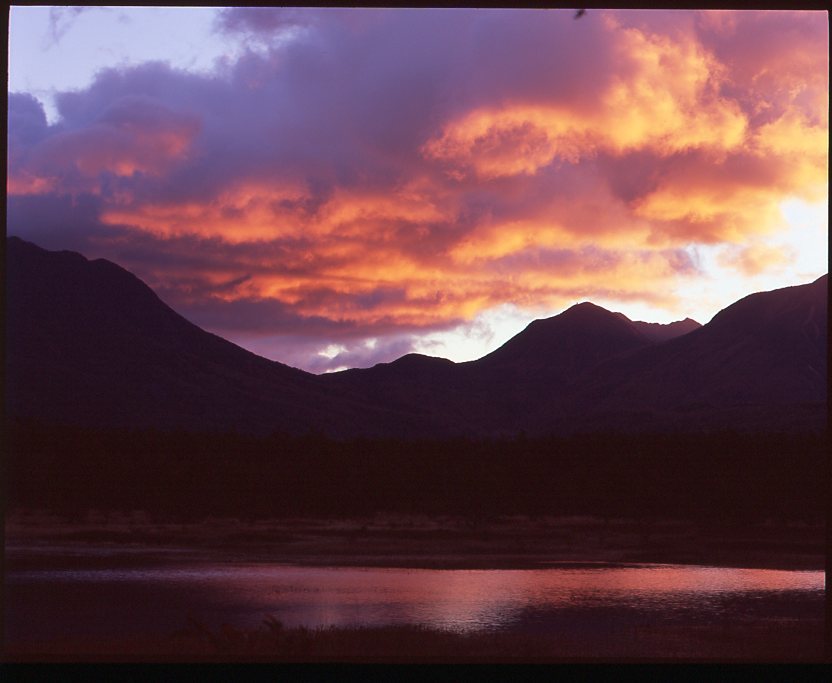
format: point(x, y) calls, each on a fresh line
point(92, 592)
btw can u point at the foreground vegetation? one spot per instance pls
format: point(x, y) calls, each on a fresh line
point(718, 479)
point(771, 641)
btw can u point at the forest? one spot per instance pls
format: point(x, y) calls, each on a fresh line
point(716, 478)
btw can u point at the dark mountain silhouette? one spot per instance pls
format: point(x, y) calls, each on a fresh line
point(761, 362)
point(88, 343)
point(561, 347)
point(429, 390)
point(496, 392)
point(656, 332)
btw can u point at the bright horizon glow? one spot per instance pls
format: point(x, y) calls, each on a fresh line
point(336, 188)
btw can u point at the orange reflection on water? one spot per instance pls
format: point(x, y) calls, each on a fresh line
point(475, 599)
point(459, 600)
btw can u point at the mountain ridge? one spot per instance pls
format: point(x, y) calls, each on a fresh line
point(89, 342)
point(91, 330)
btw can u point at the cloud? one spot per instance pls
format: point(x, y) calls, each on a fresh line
point(264, 21)
point(134, 135)
point(363, 354)
point(755, 259)
point(27, 126)
point(639, 109)
point(384, 174)
point(27, 120)
point(61, 20)
point(57, 221)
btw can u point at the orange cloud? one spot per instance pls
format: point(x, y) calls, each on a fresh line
point(132, 137)
point(23, 183)
point(381, 286)
point(740, 197)
point(756, 258)
point(707, 213)
point(642, 109)
point(256, 211)
point(592, 159)
point(122, 151)
point(239, 214)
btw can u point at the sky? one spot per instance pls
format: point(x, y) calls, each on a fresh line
point(333, 187)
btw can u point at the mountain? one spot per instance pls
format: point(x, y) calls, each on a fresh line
point(656, 332)
point(497, 393)
point(89, 343)
point(761, 361)
point(560, 348)
point(432, 391)
point(494, 394)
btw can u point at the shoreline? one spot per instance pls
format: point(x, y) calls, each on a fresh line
point(423, 542)
point(420, 543)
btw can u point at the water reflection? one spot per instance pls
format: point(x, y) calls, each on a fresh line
point(460, 600)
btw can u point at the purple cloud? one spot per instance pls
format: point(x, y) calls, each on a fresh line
point(360, 174)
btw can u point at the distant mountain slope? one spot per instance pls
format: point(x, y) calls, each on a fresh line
point(431, 390)
point(496, 393)
point(764, 355)
point(657, 332)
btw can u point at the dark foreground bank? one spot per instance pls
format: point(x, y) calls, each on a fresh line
point(769, 641)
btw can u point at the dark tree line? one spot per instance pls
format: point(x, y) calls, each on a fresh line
point(723, 477)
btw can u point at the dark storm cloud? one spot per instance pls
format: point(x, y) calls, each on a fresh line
point(27, 120)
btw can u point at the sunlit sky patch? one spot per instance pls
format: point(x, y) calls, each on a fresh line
point(338, 187)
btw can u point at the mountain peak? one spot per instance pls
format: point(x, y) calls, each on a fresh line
point(586, 307)
point(419, 360)
point(563, 345)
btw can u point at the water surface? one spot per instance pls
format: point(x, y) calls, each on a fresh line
point(91, 592)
